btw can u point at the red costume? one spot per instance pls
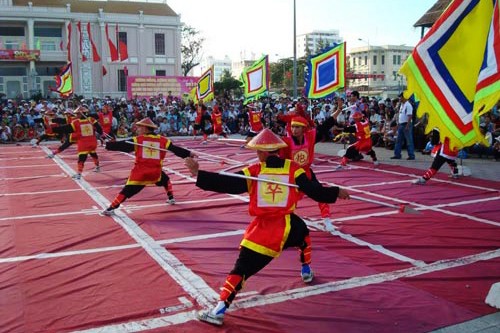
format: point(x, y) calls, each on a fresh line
point(150, 150)
point(301, 151)
point(106, 121)
point(364, 142)
point(217, 121)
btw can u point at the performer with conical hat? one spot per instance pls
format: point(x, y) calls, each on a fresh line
point(150, 150)
point(83, 130)
point(275, 227)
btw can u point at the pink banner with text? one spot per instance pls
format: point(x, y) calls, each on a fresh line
point(148, 86)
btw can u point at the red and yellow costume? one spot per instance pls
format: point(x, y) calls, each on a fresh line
point(217, 121)
point(364, 142)
point(106, 120)
point(275, 226)
point(301, 151)
point(442, 153)
point(150, 150)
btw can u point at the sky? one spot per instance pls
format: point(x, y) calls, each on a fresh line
point(233, 27)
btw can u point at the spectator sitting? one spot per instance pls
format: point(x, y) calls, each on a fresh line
point(390, 134)
point(5, 134)
point(479, 148)
point(496, 149)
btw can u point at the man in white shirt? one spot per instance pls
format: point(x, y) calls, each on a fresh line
point(405, 129)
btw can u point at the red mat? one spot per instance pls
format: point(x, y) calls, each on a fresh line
point(64, 267)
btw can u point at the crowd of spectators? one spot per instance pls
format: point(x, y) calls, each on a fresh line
point(21, 120)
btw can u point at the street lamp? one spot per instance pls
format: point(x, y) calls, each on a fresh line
point(368, 64)
point(294, 51)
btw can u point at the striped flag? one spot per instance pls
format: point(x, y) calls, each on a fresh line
point(205, 86)
point(326, 72)
point(455, 70)
point(64, 81)
point(256, 79)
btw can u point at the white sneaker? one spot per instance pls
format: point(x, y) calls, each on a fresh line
point(171, 201)
point(454, 176)
point(419, 181)
point(97, 169)
point(108, 212)
point(306, 273)
point(50, 155)
point(214, 316)
point(376, 163)
point(77, 176)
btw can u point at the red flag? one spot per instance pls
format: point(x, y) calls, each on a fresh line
point(68, 43)
point(113, 52)
point(95, 54)
point(79, 26)
point(122, 47)
point(104, 71)
point(61, 45)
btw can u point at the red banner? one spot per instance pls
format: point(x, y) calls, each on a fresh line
point(20, 55)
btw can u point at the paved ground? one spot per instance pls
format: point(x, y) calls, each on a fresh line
point(484, 168)
point(480, 168)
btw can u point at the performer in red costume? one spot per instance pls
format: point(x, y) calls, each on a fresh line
point(106, 121)
point(150, 150)
point(275, 227)
point(217, 122)
point(49, 125)
point(442, 153)
point(254, 121)
point(83, 130)
point(300, 149)
point(69, 137)
point(361, 128)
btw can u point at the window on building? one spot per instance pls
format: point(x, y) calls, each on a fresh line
point(366, 60)
point(48, 70)
point(161, 72)
point(383, 78)
point(122, 80)
point(354, 61)
point(160, 44)
point(374, 60)
point(374, 76)
point(394, 75)
point(399, 59)
point(48, 32)
point(12, 71)
point(12, 31)
point(394, 59)
point(382, 59)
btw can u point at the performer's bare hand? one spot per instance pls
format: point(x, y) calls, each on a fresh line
point(343, 194)
point(192, 165)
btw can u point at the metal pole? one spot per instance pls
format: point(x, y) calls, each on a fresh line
point(294, 51)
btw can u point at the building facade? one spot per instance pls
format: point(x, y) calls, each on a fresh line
point(373, 70)
point(49, 33)
point(313, 42)
point(220, 65)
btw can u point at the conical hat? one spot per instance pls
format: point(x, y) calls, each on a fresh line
point(146, 122)
point(266, 140)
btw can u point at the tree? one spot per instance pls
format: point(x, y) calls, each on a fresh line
point(191, 45)
point(228, 86)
